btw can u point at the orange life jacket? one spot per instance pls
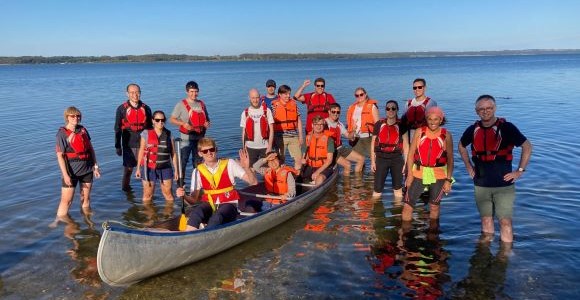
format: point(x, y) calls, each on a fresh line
point(135, 117)
point(197, 119)
point(276, 182)
point(285, 115)
point(217, 188)
point(416, 114)
point(158, 149)
point(317, 149)
point(79, 145)
point(487, 142)
point(264, 128)
point(367, 120)
point(431, 152)
point(389, 139)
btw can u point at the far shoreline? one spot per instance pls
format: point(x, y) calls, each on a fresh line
point(149, 58)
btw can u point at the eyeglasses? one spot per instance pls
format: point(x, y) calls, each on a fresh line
point(391, 108)
point(206, 151)
point(359, 95)
point(320, 85)
point(482, 109)
point(74, 116)
point(419, 87)
point(319, 124)
point(159, 120)
point(335, 112)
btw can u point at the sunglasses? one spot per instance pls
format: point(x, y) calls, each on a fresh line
point(391, 108)
point(74, 116)
point(159, 120)
point(359, 95)
point(206, 151)
point(320, 85)
point(319, 124)
point(335, 112)
point(420, 87)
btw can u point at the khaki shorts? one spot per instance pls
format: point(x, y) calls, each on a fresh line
point(293, 146)
point(498, 201)
point(363, 146)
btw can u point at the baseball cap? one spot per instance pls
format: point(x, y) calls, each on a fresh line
point(270, 82)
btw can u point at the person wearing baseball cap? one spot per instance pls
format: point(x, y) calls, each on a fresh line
point(270, 93)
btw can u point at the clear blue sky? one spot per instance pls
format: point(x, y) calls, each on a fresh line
point(228, 27)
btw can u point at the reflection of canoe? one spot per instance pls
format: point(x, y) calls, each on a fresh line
point(127, 255)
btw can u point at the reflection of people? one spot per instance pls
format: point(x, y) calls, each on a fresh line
point(414, 111)
point(319, 153)
point(429, 164)
point(345, 154)
point(360, 119)
point(257, 127)
point(287, 126)
point(157, 156)
point(190, 115)
point(389, 149)
point(317, 102)
point(132, 117)
point(77, 162)
point(492, 140)
point(278, 178)
point(219, 203)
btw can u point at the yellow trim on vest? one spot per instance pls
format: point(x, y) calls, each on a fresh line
point(214, 180)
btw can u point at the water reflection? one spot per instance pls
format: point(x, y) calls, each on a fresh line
point(145, 214)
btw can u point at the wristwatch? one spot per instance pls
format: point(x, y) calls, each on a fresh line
point(520, 169)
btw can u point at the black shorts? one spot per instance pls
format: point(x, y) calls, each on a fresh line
point(86, 178)
point(416, 189)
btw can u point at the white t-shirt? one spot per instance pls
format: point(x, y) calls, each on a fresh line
point(333, 124)
point(234, 171)
point(256, 114)
point(357, 117)
point(415, 102)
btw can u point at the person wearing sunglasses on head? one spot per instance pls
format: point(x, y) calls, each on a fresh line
point(132, 117)
point(77, 163)
point(158, 159)
point(257, 125)
point(317, 102)
point(390, 146)
point(216, 177)
point(360, 119)
point(413, 115)
point(343, 154)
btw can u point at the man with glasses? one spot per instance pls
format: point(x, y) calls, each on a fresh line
point(414, 114)
point(270, 93)
point(319, 153)
point(344, 154)
point(317, 102)
point(132, 117)
point(257, 127)
point(492, 140)
point(190, 115)
point(219, 202)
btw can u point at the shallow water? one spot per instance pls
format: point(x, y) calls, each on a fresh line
point(348, 246)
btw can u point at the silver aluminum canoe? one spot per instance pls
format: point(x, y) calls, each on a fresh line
point(128, 255)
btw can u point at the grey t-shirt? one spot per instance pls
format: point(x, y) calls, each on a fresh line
point(75, 166)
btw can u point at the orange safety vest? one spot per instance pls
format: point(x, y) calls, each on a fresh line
point(264, 128)
point(317, 149)
point(197, 119)
point(431, 152)
point(135, 117)
point(285, 115)
point(367, 120)
point(79, 145)
point(276, 182)
point(217, 188)
point(389, 139)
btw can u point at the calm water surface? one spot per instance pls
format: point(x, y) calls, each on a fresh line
point(348, 246)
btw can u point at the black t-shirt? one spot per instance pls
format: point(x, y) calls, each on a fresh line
point(490, 174)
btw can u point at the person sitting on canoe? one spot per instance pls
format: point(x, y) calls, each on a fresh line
point(319, 153)
point(217, 179)
point(278, 178)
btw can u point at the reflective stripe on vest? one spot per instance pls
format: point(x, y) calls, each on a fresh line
point(431, 152)
point(217, 187)
point(158, 149)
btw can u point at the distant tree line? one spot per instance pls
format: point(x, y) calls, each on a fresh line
point(257, 56)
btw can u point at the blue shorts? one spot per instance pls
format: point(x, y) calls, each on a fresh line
point(130, 157)
point(160, 175)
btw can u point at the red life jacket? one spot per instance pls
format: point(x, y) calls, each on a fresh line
point(135, 118)
point(317, 150)
point(416, 114)
point(197, 119)
point(158, 150)
point(217, 187)
point(389, 139)
point(320, 104)
point(487, 142)
point(264, 128)
point(79, 145)
point(276, 182)
point(335, 134)
point(431, 152)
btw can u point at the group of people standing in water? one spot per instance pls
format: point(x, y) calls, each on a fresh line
point(411, 146)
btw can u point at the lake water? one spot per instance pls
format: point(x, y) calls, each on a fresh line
point(348, 246)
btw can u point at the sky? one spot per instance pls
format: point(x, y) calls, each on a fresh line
point(228, 27)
